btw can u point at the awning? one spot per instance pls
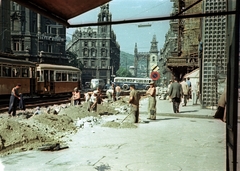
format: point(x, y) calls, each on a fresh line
point(61, 10)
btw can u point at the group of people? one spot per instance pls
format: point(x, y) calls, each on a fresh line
point(114, 92)
point(93, 98)
point(134, 99)
point(182, 92)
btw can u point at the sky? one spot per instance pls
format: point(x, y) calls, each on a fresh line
point(129, 34)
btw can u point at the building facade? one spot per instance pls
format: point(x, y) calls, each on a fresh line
point(31, 36)
point(5, 33)
point(97, 49)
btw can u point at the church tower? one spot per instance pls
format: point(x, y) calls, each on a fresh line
point(153, 58)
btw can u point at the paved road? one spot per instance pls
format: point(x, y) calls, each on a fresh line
point(169, 143)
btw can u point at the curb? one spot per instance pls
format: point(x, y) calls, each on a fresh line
point(184, 115)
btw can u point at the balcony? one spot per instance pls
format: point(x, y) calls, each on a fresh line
point(191, 61)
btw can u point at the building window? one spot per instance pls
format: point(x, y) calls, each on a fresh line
point(16, 25)
point(85, 52)
point(103, 64)
point(93, 44)
point(103, 44)
point(49, 48)
point(153, 58)
point(93, 52)
point(22, 45)
point(104, 53)
point(85, 63)
point(86, 44)
point(93, 64)
point(103, 73)
point(16, 45)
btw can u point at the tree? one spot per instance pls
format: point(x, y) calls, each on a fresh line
point(73, 61)
point(123, 72)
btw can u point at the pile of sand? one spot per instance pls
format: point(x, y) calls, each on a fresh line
point(27, 132)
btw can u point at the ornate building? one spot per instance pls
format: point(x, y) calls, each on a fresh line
point(32, 36)
point(97, 49)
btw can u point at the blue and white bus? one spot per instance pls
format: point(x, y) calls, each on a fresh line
point(125, 82)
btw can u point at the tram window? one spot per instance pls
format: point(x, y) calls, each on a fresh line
point(15, 72)
point(58, 77)
point(74, 78)
point(64, 76)
point(25, 72)
point(51, 76)
point(70, 77)
point(6, 71)
point(38, 75)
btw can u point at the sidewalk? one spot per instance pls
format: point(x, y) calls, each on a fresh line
point(164, 108)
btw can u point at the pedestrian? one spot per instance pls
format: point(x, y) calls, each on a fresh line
point(134, 101)
point(76, 96)
point(93, 102)
point(114, 93)
point(185, 90)
point(118, 92)
point(198, 93)
point(189, 88)
point(194, 93)
point(175, 93)
point(151, 93)
point(222, 102)
point(14, 99)
point(169, 85)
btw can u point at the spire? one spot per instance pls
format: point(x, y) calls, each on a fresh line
point(154, 47)
point(135, 50)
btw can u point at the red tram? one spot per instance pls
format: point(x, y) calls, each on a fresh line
point(14, 71)
point(37, 79)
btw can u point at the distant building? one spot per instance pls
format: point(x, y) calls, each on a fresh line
point(151, 59)
point(97, 49)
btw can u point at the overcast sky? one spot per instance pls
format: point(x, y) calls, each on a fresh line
point(129, 34)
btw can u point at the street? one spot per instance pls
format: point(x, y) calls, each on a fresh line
point(169, 143)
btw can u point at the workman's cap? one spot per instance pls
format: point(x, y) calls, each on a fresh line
point(152, 82)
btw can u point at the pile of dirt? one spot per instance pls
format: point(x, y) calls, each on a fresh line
point(29, 131)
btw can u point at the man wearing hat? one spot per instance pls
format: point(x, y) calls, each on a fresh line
point(151, 93)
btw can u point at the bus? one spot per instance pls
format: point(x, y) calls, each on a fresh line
point(125, 82)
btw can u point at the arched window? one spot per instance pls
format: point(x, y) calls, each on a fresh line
point(93, 52)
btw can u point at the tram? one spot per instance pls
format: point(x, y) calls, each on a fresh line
point(13, 72)
point(37, 79)
point(57, 79)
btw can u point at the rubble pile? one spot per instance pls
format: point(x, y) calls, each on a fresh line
point(54, 124)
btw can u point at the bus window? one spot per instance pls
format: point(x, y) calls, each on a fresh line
point(64, 76)
point(58, 77)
